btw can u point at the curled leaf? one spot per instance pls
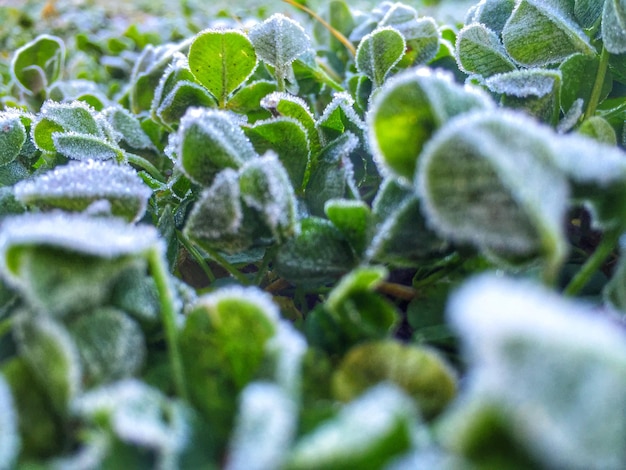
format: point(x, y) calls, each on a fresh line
point(378, 52)
point(38, 63)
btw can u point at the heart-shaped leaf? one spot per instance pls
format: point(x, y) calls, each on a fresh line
point(486, 179)
point(539, 33)
point(75, 186)
point(406, 112)
point(479, 51)
point(38, 63)
point(221, 60)
point(209, 141)
point(378, 52)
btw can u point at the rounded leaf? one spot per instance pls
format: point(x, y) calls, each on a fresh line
point(221, 60)
point(38, 63)
point(279, 40)
point(479, 51)
point(12, 136)
point(378, 52)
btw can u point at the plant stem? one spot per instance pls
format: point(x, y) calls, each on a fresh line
point(145, 165)
point(594, 99)
point(234, 272)
point(196, 255)
point(168, 315)
point(594, 262)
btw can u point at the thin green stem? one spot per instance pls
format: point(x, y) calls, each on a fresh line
point(267, 258)
point(145, 165)
point(232, 270)
point(193, 251)
point(593, 263)
point(167, 298)
point(596, 92)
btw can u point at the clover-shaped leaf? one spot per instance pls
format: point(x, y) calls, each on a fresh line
point(209, 141)
point(540, 33)
point(378, 52)
point(486, 179)
point(491, 13)
point(221, 60)
point(38, 63)
point(74, 187)
point(406, 112)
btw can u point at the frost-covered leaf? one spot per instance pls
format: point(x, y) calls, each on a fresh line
point(338, 117)
point(85, 147)
point(288, 139)
point(614, 26)
point(184, 95)
point(218, 219)
point(366, 433)
point(38, 63)
point(491, 13)
point(265, 187)
point(578, 78)
point(554, 369)
point(264, 429)
point(74, 187)
point(221, 60)
point(51, 352)
point(110, 343)
point(54, 118)
point(539, 33)
point(599, 129)
point(378, 52)
point(209, 141)
point(406, 112)
point(420, 372)
point(128, 127)
point(536, 91)
point(136, 293)
point(353, 218)
point(479, 51)
point(587, 12)
point(402, 236)
point(279, 41)
point(317, 253)
point(284, 104)
point(12, 136)
point(486, 179)
point(140, 416)
point(223, 346)
point(9, 437)
point(333, 175)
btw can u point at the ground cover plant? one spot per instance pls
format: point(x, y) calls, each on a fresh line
point(314, 239)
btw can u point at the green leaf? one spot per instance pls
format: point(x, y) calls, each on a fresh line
point(12, 136)
point(353, 439)
point(536, 91)
point(278, 41)
point(264, 429)
point(333, 175)
point(129, 128)
point(74, 187)
point(54, 118)
point(354, 219)
point(614, 26)
point(51, 352)
point(539, 33)
point(247, 100)
point(265, 187)
point(85, 147)
point(221, 60)
point(38, 63)
point(480, 51)
point(529, 349)
point(588, 12)
point(318, 253)
point(598, 129)
point(338, 117)
point(183, 96)
point(486, 179)
point(418, 371)
point(491, 13)
point(9, 437)
point(578, 78)
point(209, 141)
point(110, 343)
point(408, 110)
point(402, 236)
point(288, 138)
point(378, 52)
point(223, 346)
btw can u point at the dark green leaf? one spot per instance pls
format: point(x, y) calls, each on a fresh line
point(479, 50)
point(12, 136)
point(378, 52)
